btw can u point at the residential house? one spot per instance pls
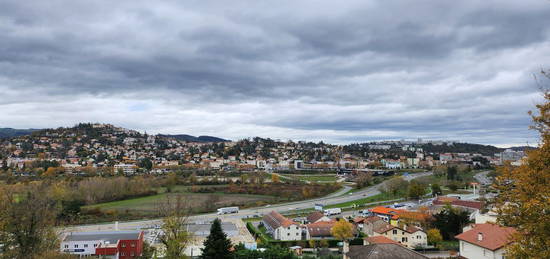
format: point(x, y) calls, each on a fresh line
point(407, 235)
point(367, 225)
point(319, 230)
point(485, 241)
point(387, 214)
point(282, 228)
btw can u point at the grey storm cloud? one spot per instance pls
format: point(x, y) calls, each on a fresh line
point(343, 72)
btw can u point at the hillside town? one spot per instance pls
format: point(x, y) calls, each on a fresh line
point(397, 231)
point(93, 148)
point(433, 198)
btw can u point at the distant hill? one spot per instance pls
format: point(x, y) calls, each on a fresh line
point(522, 148)
point(9, 132)
point(189, 138)
point(487, 150)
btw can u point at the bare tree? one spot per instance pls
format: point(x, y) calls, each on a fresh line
point(27, 216)
point(174, 236)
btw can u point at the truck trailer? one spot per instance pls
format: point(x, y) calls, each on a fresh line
point(334, 211)
point(228, 210)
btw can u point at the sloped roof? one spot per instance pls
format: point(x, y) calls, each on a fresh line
point(380, 240)
point(384, 210)
point(358, 220)
point(384, 228)
point(373, 219)
point(387, 227)
point(276, 220)
point(411, 229)
point(313, 217)
point(493, 236)
point(320, 229)
point(457, 202)
point(469, 204)
point(108, 236)
point(383, 251)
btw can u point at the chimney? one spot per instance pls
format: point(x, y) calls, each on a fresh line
point(479, 236)
point(345, 249)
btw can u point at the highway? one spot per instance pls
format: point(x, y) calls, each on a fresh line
point(335, 198)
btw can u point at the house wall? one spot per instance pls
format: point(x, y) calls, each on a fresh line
point(472, 251)
point(80, 247)
point(293, 232)
point(405, 238)
point(417, 238)
point(129, 248)
point(107, 252)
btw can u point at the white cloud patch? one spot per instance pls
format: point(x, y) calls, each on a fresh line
point(346, 72)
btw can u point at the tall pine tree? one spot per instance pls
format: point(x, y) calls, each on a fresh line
point(217, 245)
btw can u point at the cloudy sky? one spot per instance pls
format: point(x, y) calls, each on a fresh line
point(338, 71)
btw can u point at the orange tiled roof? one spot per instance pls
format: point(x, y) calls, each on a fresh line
point(276, 220)
point(493, 236)
point(384, 210)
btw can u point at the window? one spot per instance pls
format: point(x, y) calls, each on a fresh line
point(418, 237)
point(122, 254)
point(66, 246)
point(133, 244)
point(288, 234)
point(85, 245)
point(395, 231)
point(75, 246)
point(123, 244)
point(131, 253)
point(403, 233)
point(95, 245)
point(296, 228)
point(403, 239)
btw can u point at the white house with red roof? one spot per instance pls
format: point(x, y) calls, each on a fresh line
point(282, 228)
point(485, 241)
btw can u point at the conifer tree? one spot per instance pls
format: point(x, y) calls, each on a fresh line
point(217, 245)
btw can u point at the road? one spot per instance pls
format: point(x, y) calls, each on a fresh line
point(335, 198)
point(483, 178)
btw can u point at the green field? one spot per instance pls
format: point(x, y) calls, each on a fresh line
point(150, 204)
point(360, 202)
point(466, 177)
point(312, 178)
